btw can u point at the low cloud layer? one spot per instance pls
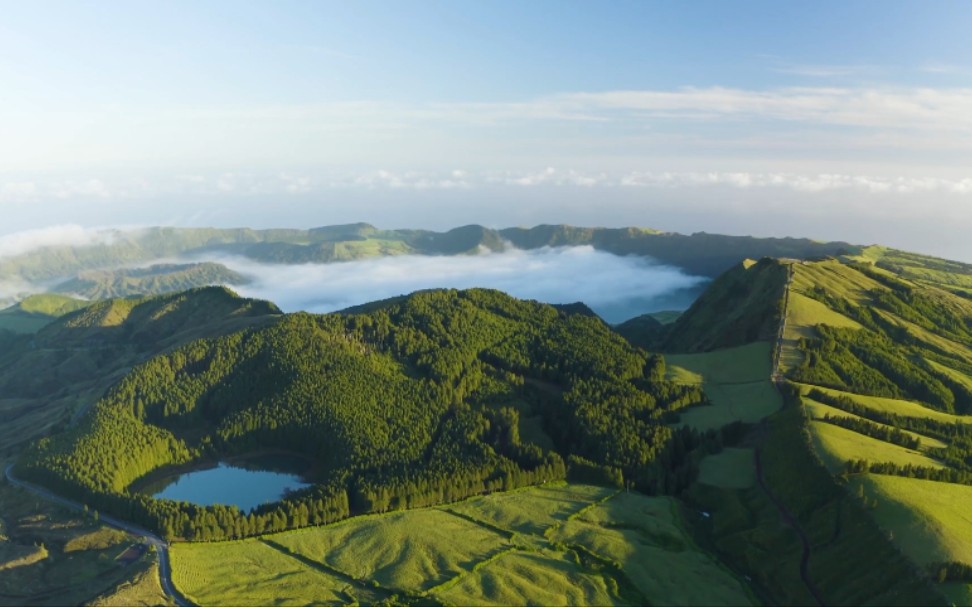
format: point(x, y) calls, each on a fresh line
point(615, 287)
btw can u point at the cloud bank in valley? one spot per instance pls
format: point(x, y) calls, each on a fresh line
point(617, 288)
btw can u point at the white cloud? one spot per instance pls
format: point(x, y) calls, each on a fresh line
point(801, 183)
point(61, 235)
point(616, 287)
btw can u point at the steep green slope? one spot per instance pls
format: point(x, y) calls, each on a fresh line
point(888, 350)
point(740, 307)
point(153, 280)
point(417, 400)
point(48, 379)
point(895, 338)
point(794, 531)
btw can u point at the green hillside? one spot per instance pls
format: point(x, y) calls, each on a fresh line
point(419, 400)
point(153, 280)
point(742, 306)
point(37, 311)
point(49, 378)
point(881, 344)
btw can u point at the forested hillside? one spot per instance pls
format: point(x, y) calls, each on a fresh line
point(414, 401)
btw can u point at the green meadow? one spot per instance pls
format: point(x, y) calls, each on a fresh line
point(731, 468)
point(560, 544)
point(736, 380)
point(893, 405)
point(929, 521)
point(819, 410)
point(836, 445)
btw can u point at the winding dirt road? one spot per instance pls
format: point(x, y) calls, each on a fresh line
point(161, 547)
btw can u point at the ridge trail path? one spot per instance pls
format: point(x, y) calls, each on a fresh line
point(161, 547)
point(791, 521)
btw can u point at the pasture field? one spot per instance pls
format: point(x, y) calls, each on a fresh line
point(893, 405)
point(531, 511)
point(749, 403)
point(645, 538)
point(836, 445)
point(835, 277)
point(924, 336)
point(527, 578)
point(250, 572)
point(804, 313)
point(732, 468)
point(818, 410)
point(557, 544)
point(666, 317)
point(930, 521)
point(412, 550)
point(736, 380)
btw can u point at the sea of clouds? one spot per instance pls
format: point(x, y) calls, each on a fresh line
point(615, 287)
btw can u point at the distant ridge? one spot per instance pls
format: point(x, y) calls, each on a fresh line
point(700, 253)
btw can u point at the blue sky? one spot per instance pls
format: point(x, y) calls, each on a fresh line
point(834, 120)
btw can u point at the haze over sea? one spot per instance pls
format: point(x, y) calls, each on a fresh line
point(842, 121)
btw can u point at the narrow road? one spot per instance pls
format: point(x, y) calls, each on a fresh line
point(792, 522)
point(161, 547)
point(777, 378)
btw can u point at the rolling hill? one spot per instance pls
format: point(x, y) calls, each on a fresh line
point(418, 400)
point(806, 430)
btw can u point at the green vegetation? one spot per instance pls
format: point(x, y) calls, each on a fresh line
point(48, 380)
point(141, 588)
point(37, 311)
point(637, 534)
point(742, 306)
point(559, 544)
point(406, 403)
point(894, 379)
point(744, 527)
point(51, 556)
point(837, 445)
point(153, 280)
point(732, 468)
point(817, 410)
point(929, 520)
point(735, 380)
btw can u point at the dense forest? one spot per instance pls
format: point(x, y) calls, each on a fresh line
point(414, 401)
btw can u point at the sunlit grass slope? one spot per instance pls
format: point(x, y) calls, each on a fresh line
point(836, 445)
point(894, 405)
point(930, 521)
point(819, 410)
point(531, 511)
point(413, 550)
point(555, 545)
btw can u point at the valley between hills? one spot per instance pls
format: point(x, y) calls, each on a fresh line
point(800, 434)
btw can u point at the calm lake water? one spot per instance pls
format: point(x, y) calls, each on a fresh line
point(245, 484)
